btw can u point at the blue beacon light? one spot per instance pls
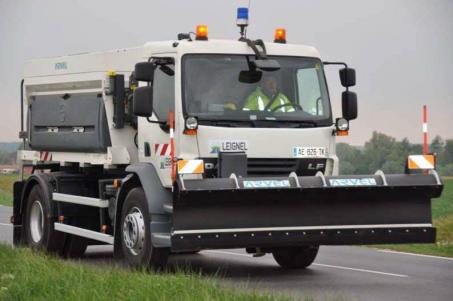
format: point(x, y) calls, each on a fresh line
point(242, 20)
point(242, 16)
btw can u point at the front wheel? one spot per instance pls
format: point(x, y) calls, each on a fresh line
point(295, 257)
point(136, 234)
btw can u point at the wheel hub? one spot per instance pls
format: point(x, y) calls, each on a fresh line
point(134, 231)
point(36, 221)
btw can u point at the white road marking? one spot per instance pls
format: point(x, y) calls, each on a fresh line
point(359, 270)
point(3, 224)
point(320, 265)
point(414, 254)
point(228, 253)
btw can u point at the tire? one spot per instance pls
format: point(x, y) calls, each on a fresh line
point(39, 229)
point(135, 235)
point(295, 257)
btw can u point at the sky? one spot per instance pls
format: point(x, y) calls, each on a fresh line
point(402, 50)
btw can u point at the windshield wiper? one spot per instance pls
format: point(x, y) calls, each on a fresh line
point(227, 122)
point(259, 123)
point(294, 123)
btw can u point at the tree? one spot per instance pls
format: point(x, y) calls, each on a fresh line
point(446, 170)
point(437, 145)
point(384, 152)
point(393, 167)
point(447, 154)
point(347, 168)
point(377, 150)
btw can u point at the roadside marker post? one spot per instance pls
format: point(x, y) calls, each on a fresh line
point(425, 130)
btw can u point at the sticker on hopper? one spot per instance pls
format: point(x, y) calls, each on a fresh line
point(217, 146)
point(309, 152)
point(266, 184)
point(353, 182)
point(165, 162)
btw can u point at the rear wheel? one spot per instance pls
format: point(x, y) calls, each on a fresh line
point(136, 234)
point(39, 231)
point(295, 257)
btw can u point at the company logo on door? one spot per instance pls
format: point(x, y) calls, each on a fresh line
point(217, 146)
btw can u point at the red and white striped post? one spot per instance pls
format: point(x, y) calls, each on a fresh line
point(171, 120)
point(425, 130)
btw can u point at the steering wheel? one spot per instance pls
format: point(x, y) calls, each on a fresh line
point(296, 106)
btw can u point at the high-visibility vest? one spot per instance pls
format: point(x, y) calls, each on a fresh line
point(257, 101)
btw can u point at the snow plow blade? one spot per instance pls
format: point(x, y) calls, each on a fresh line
point(310, 210)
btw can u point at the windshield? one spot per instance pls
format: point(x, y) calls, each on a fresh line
point(230, 88)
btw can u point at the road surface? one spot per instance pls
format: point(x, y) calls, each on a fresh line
point(345, 273)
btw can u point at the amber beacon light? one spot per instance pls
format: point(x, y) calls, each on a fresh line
point(280, 35)
point(202, 32)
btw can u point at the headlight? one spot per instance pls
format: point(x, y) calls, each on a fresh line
point(191, 123)
point(342, 124)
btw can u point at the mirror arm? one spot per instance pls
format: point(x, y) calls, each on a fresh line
point(337, 63)
point(252, 44)
point(156, 121)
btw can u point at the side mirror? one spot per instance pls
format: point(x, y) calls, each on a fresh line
point(347, 77)
point(143, 101)
point(250, 76)
point(266, 65)
point(349, 105)
point(144, 71)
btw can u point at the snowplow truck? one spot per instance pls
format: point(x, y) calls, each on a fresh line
point(197, 143)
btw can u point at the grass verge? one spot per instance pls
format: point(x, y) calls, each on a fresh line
point(25, 275)
point(442, 209)
point(6, 188)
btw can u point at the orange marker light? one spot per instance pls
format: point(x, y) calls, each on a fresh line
point(342, 133)
point(202, 32)
point(280, 35)
point(190, 132)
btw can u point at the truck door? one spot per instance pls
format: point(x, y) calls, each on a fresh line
point(154, 135)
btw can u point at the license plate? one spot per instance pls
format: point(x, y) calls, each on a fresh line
point(309, 152)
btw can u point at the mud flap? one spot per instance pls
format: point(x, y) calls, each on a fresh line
point(267, 212)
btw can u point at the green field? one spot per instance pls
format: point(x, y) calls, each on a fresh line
point(25, 275)
point(6, 188)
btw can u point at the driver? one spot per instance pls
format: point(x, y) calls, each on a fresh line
point(268, 98)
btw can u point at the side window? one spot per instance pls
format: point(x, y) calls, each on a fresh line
point(163, 93)
point(309, 91)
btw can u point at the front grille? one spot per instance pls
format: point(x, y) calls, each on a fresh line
point(271, 167)
point(266, 167)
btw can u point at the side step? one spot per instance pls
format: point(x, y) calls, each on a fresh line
point(84, 233)
point(81, 200)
